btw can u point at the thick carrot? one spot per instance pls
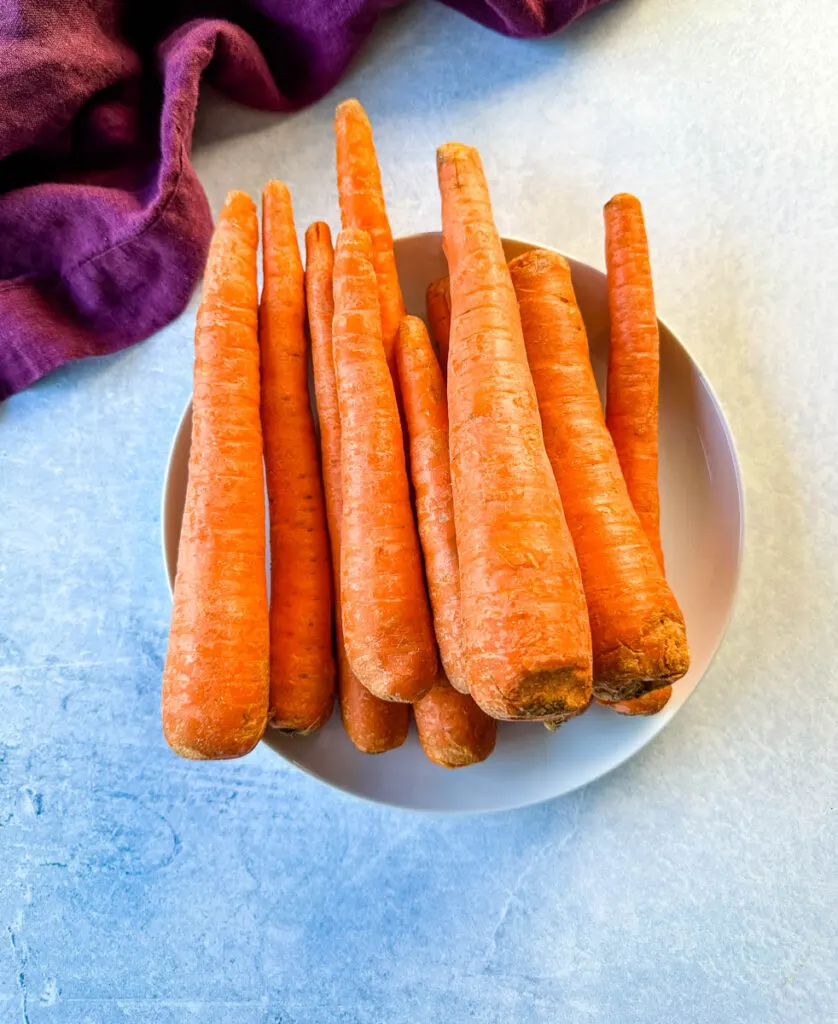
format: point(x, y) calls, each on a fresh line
point(453, 730)
point(639, 639)
point(302, 662)
point(362, 206)
point(386, 619)
point(438, 305)
point(426, 414)
point(633, 360)
point(525, 624)
point(215, 683)
point(373, 725)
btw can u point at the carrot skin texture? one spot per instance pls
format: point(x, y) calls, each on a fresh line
point(373, 725)
point(302, 661)
point(426, 414)
point(632, 398)
point(639, 638)
point(362, 206)
point(633, 360)
point(453, 730)
point(215, 681)
point(438, 306)
point(527, 637)
point(386, 618)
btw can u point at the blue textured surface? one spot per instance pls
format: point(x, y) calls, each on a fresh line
point(697, 883)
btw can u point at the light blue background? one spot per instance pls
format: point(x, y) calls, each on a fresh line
point(698, 883)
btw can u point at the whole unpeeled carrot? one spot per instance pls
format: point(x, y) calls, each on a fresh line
point(372, 724)
point(438, 305)
point(386, 619)
point(362, 206)
point(639, 639)
point(525, 624)
point(215, 682)
point(633, 382)
point(453, 730)
point(633, 360)
point(426, 414)
point(302, 662)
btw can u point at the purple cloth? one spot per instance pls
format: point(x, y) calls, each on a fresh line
point(104, 226)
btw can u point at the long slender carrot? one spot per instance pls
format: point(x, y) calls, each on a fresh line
point(632, 390)
point(386, 619)
point(426, 414)
point(438, 305)
point(453, 730)
point(528, 644)
point(639, 639)
point(633, 360)
point(302, 662)
point(362, 206)
point(215, 682)
point(372, 724)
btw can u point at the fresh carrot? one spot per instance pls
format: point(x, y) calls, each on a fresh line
point(362, 206)
point(386, 619)
point(632, 390)
point(372, 724)
point(426, 414)
point(633, 360)
point(215, 682)
point(302, 662)
point(639, 639)
point(438, 305)
point(648, 704)
point(525, 624)
point(453, 730)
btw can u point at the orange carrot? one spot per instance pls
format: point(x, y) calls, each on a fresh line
point(639, 640)
point(648, 704)
point(302, 662)
point(453, 730)
point(373, 725)
point(362, 206)
point(438, 304)
point(527, 638)
point(426, 413)
point(386, 620)
point(633, 360)
point(215, 683)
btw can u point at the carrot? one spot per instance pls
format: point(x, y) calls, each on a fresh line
point(302, 662)
point(453, 730)
point(362, 206)
point(426, 414)
point(648, 704)
point(639, 639)
point(525, 625)
point(438, 304)
point(633, 360)
point(215, 682)
point(373, 725)
point(386, 620)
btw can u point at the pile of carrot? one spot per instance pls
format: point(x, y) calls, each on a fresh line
point(461, 530)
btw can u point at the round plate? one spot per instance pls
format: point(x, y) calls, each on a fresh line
point(702, 524)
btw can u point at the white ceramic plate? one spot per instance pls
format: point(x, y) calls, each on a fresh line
point(702, 527)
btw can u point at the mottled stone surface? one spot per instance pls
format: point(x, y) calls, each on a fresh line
point(696, 884)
